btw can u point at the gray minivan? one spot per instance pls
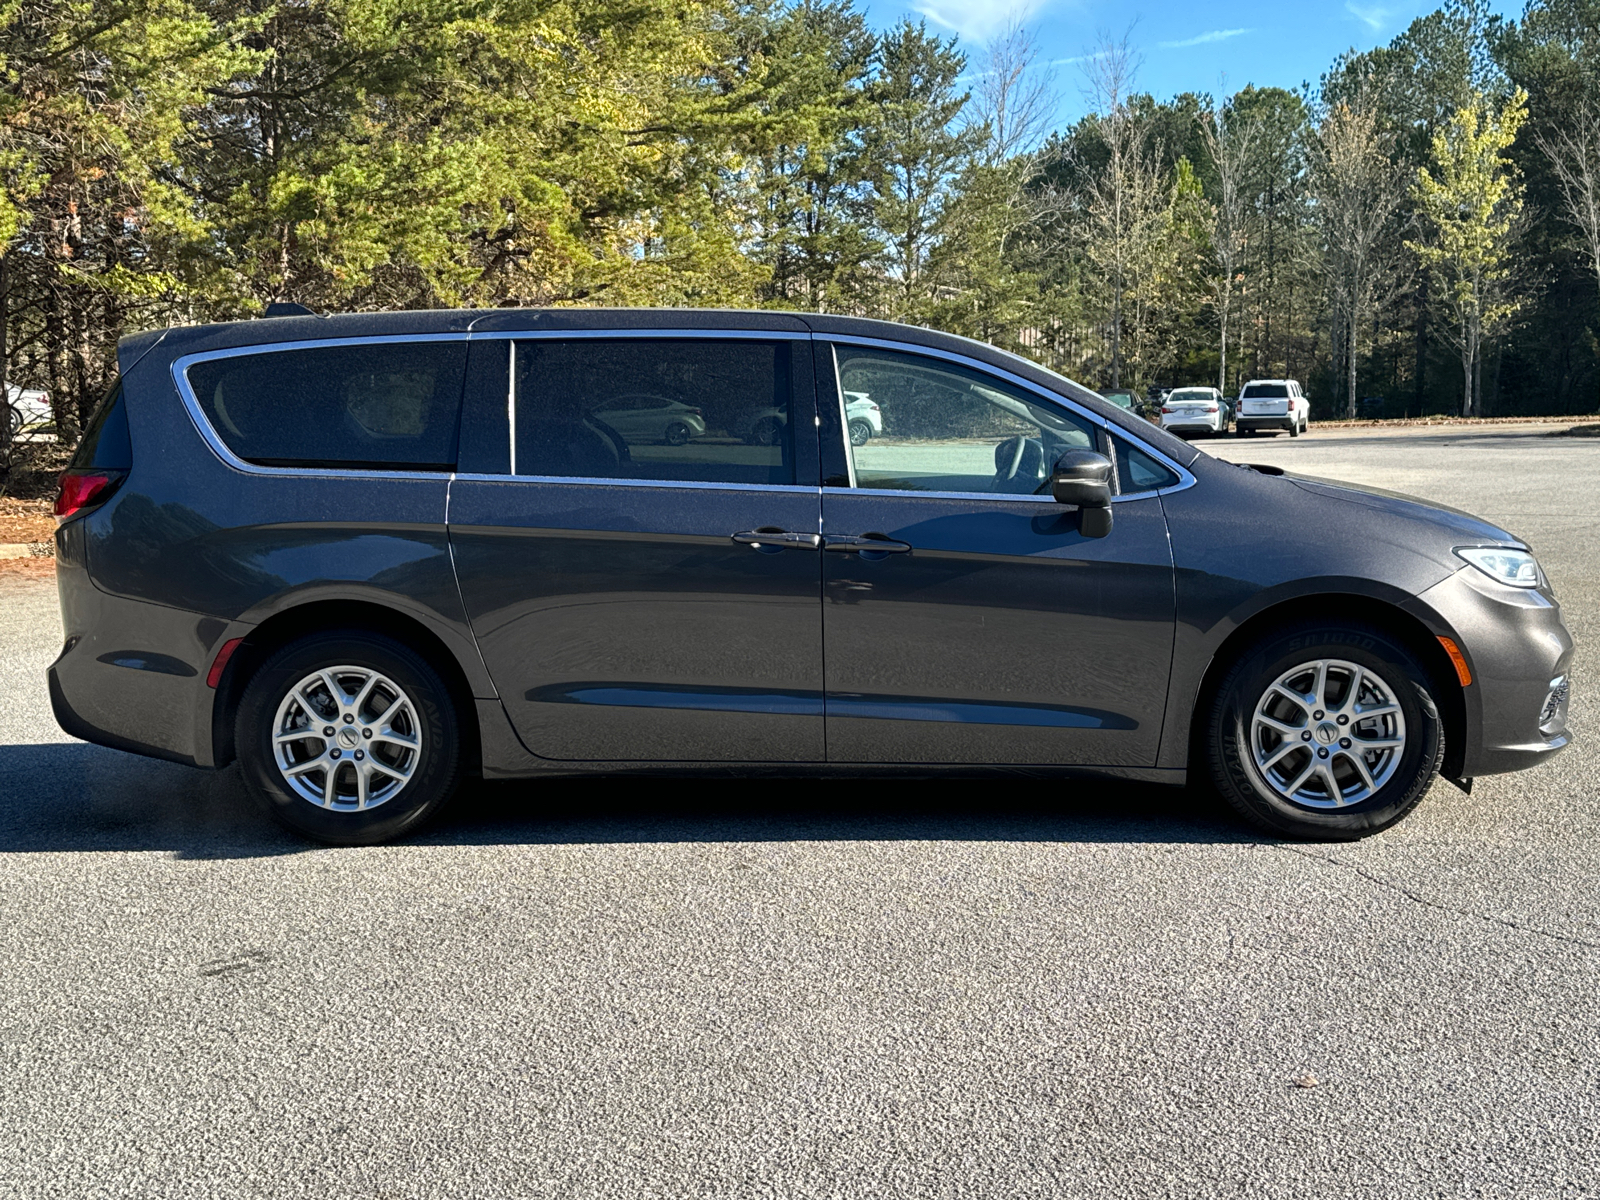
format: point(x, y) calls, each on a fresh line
point(367, 556)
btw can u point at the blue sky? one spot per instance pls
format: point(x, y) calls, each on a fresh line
point(1185, 46)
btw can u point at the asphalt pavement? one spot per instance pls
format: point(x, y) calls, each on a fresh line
point(733, 988)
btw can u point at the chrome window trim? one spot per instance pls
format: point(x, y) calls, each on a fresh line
point(208, 433)
point(664, 333)
point(607, 481)
point(1185, 478)
point(1026, 497)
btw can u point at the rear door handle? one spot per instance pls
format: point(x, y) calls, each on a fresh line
point(868, 544)
point(771, 540)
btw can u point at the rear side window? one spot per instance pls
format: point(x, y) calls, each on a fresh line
point(1265, 391)
point(105, 442)
point(385, 405)
point(698, 410)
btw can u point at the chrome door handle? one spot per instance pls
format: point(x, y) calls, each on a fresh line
point(871, 543)
point(770, 540)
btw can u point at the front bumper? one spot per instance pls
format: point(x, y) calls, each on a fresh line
point(1517, 648)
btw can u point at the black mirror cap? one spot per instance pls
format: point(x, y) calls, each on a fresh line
point(1082, 478)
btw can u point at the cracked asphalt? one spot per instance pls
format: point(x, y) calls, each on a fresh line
point(653, 988)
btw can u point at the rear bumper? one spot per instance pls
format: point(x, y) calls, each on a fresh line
point(1517, 646)
point(1283, 422)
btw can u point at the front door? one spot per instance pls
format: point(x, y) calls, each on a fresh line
point(643, 579)
point(966, 617)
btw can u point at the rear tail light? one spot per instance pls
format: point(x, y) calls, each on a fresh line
point(83, 488)
point(1211, 408)
point(220, 663)
point(1165, 410)
point(695, 412)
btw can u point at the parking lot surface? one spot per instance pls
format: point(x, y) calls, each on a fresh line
point(652, 987)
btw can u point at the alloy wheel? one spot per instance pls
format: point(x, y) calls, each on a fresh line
point(347, 739)
point(1327, 734)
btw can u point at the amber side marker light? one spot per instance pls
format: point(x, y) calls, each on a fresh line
point(1463, 673)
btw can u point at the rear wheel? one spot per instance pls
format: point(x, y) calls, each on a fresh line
point(1326, 730)
point(860, 433)
point(348, 737)
point(677, 434)
point(1294, 428)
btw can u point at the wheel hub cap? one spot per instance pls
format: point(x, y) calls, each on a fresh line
point(337, 710)
point(1327, 734)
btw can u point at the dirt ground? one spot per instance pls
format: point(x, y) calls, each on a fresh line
point(25, 520)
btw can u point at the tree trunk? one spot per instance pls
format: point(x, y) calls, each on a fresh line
point(5, 344)
point(1422, 339)
point(1222, 366)
point(1350, 362)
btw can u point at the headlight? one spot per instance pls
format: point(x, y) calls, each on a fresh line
point(1517, 568)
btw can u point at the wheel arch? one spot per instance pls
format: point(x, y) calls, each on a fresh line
point(1406, 626)
point(315, 616)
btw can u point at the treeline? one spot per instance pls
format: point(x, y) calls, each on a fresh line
point(1424, 226)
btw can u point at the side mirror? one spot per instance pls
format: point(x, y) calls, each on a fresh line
point(1083, 478)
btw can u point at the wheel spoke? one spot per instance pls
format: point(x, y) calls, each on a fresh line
point(363, 785)
point(373, 681)
point(1360, 764)
point(1358, 713)
point(297, 769)
point(400, 773)
point(390, 737)
point(330, 791)
point(1278, 755)
point(297, 735)
point(1335, 794)
point(1301, 779)
point(1319, 690)
point(1381, 743)
point(1281, 727)
point(1299, 700)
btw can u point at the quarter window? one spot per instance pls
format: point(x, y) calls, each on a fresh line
point(380, 405)
point(698, 410)
point(921, 424)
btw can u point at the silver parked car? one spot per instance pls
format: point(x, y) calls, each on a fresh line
point(641, 417)
point(863, 417)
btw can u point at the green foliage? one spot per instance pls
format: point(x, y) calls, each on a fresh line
point(189, 160)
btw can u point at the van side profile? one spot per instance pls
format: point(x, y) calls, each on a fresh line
point(368, 556)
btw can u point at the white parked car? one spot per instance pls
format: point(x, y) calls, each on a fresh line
point(1272, 404)
point(1190, 410)
point(26, 406)
point(863, 417)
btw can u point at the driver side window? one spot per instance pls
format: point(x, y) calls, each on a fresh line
point(921, 424)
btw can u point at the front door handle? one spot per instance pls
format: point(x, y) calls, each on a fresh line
point(873, 545)
point(770, 540)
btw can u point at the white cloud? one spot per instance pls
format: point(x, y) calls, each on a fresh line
point(1215, 35)
point(978, 20)
point(1372, 16)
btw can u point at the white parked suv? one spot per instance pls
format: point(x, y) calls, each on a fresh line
point(25, 407)
point(863, 417)
point(1275, 404)
point(1189, 410)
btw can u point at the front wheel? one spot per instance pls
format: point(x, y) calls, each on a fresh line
point(348, 737)
point(1325, 730)
point(860, 433)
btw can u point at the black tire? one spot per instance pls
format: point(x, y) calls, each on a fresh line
point(767, 432)
point(13, 421)
point(1294, 429)
point(860, 432)
point(432, 779)
point(1229, 751)
point(677, 434)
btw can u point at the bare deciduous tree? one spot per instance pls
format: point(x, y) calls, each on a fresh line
point(1359, 193)
point(1124, 199)
point(1573, 149)
point(1014, 96)
point(1231, 141)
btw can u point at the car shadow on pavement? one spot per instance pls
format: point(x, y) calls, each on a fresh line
point(68, 797)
